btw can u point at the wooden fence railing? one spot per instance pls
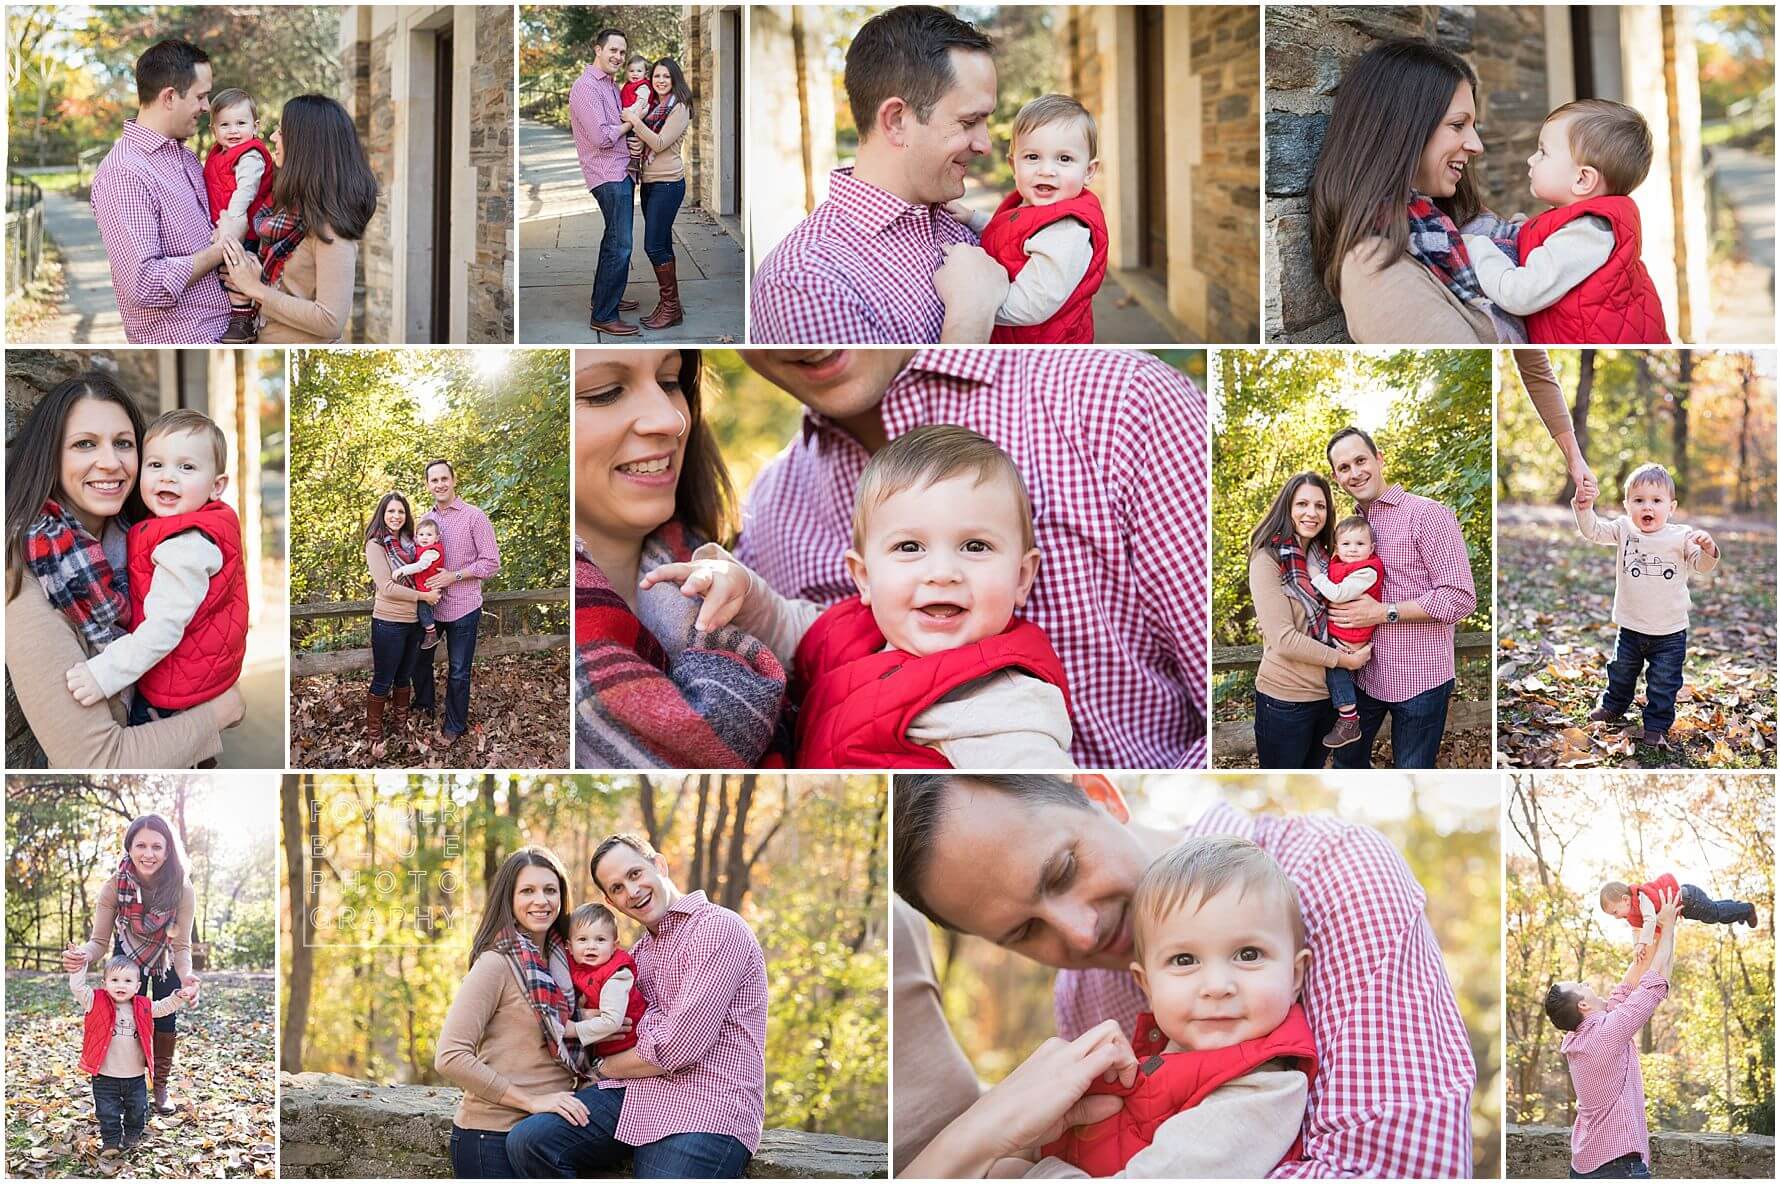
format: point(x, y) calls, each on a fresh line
point(511, 632)
point(50, 957)
point(24, 231)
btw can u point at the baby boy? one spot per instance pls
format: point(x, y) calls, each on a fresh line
point(1637, 905)
point(116, 1047)
point(605, 982)
point(1354, 571)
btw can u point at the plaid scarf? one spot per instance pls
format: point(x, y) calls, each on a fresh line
point(76, 577)
point(398, 557)
point(145, 935)
point(702, 701)
point(538, 979)
point(1294, 576)
point(1439, 246)
point(280, 234)
point(655, 118)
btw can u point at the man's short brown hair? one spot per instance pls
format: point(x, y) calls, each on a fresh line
point(1611, 138)
point(625, 838)
point(1204, 867)
point(1563, 1008)
point(1048, 109)
point(905, 52)
point(931, 454)
point(184, 419)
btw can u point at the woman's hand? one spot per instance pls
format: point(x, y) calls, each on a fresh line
point(1352, 659)
point(430, 597)
point(630, 116)
point(74, 958)
point(227, 709)
point(244, 273)
point(190, 989)
point(563, 1104)
point(1584, 479)
point(723, 583)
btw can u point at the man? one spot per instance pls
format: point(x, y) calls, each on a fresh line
point(604, 152)
point(1047, 868)
point(1427, 591)
point(1611, 1138)
point(471, 556)
point(153, 210)
point(1111, 444)
point(689, 1100)
point(881, 261)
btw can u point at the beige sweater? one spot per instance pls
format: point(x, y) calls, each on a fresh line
point(313, 298)
point(1650, 576)
point(934, 1081)
point(665, 164)
point(98, 947)
point(1399, 302)
point(490, 1043)
point(1541, 382)
point(1292, 661)
point(41, 645)
point(394, 602)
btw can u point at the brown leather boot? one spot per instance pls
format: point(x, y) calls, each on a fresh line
point(668, 313)
point(374, 723)
point(399, 707)
point(164, 1043)
point(628, 305)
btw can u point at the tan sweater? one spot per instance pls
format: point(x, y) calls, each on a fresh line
point(665, 164)
point(934, 1081)
point(1292, 661)
point(490, 1043)
point(41, 644)
point(1541, 382)
point(394, 602)
point(1399, 302)
point(313, 297)
point(98, 947)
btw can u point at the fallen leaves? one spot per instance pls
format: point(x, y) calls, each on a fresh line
point(519, 719)
point(223, 1082)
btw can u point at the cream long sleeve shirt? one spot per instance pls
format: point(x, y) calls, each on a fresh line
point(1650, 582)
point(183, 567)
point(1572, 254)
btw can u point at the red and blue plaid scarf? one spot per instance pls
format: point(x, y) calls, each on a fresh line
point(1294, 576)
point(145, 934)
point(280, 234)
point(1438, 245)
point(542, 987)
point(76, 577)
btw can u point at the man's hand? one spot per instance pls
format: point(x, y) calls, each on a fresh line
point(1358, 614)
point(1703, 541)
point(1670, 908)
point(442, 579)
point(83, 686)
point(972, 286)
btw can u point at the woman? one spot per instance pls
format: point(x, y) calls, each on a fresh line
point(502, 1041)
point(395, 627)
point(1391, 192)
point(661, 128)
point(1292, 708)
point(146, 912)
point(650, 487)
point(70, 496)
point(322, 199)
point(1541, 384)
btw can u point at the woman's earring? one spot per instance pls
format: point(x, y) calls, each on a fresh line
point(685, 424)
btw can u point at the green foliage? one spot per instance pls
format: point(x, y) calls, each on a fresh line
point(364, 422)
point(752, 419)
point(556, 45)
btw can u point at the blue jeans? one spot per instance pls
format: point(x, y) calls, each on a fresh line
point(1417, 724)
point(122, 1106)
point(423, 612)
point(661, 202)
point(395, 646)
point(1629, 1166)
point(1290, 735)
point(1341, 686)
point(479, 1155)
point(614, 198)
point(459, 637)
point(140, 709)
point(547, 1145)
point(1664, 655)
point(1697, 906)
point(157, 987)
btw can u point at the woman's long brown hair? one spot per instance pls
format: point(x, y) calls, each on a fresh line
point(167, 888)
point(705, 498)
point(1388, 106)
point(325, 178)
point(497, 914)
point(1278, 519)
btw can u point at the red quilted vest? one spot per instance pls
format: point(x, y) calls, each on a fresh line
point(219, 178)
point(859, 699)
point(1618, 304)
point(95, 1037)
point(591, 980)
point(1649, 892)
point(1169, 1082)
point(1005, 241)
point(207, 660)
point(1340, 569)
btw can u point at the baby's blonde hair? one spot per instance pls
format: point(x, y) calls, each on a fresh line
point(1651, 474)
point(233, 96)
point(1048, 109)
point(184, 419)
point(931, 454)
point(1610, 137)
point(1204, 867)
point(1612, 892)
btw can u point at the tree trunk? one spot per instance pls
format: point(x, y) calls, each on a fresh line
point(1678, 429)
point(1585, 390)
point(491, 822)
point(714, 844)
point(299, 957)
point(1744, 500)
point(696, 877)
point(735, 868)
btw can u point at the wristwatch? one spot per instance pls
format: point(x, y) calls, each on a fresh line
point(1390, 614)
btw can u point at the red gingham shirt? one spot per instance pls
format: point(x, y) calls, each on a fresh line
point(857, 271)
point(705, 979)
point(467, 538)
point(1392, 1094)
point(1111, 444)
point(599, 132)
point(1423, 551)
point(1608, 1078)
point(154, 215)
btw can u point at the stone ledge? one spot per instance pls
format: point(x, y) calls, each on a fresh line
point(336, 1127)
point(1543, 1152)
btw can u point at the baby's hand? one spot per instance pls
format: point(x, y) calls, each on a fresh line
point(722, 582)
point(1704, 541)
point(960, 211)
point(1584, 499)
point(83, 686)
point(235, 228)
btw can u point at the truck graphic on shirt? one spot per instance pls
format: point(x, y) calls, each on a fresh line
point(1640, 564)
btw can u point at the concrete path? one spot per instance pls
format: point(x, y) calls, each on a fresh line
point(559, 236)
point(89, 306)
point(1743, 300)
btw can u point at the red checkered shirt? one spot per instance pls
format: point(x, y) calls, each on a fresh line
point(154, 215)
point(1423, 551)
point(599, 131)
point(1392, 1094)
point(1111, 444)
point(468, 539)
point(705, 979)
point(857, 271)
point(1608, 1078)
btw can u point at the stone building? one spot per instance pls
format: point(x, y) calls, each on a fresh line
point(431, 89)
point(713, 67)
point(1173, 91)
point(1529, 60)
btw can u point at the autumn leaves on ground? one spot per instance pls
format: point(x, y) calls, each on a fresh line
point(222, 1082)
point(1557, 635)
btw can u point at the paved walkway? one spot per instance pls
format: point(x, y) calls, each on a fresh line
point(1743, 299)
point(559, 236)
point(89, 306)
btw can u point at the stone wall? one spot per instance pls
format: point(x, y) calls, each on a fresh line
point(336, 1127)
point(490, 278)
point(1308, 51)
point(355, 70)
point(378, 254)
point(1226, 58)
point(1543, 1152)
